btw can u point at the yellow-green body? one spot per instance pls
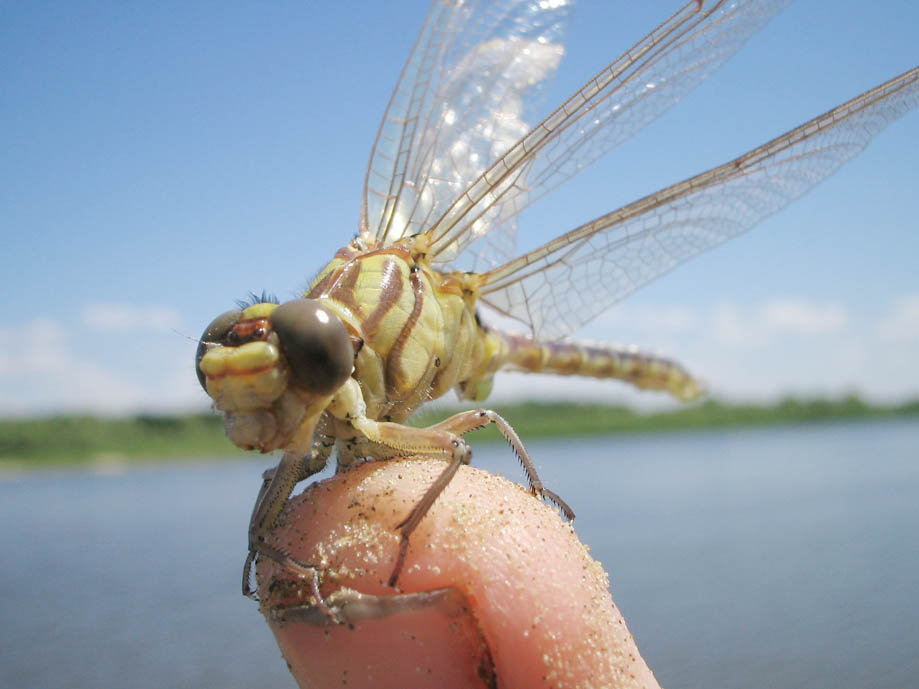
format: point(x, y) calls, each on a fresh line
point(413, 334)
point(418, 328)
point(416, 336)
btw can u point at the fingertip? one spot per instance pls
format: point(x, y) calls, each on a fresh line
point(535, 607)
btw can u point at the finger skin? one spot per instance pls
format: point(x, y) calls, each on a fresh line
point(537, 611)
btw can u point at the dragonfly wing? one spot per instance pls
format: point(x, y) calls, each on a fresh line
point(468, 91)
point(557, 288)
point(614, 105)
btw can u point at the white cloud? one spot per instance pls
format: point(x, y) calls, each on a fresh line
point(902, 324)
point(778, 317)
point(802, 316)
point(730, 326)
point(651, 319)
point(120, 317)
point(45, 367)
point(39, 372)
point(33, 347)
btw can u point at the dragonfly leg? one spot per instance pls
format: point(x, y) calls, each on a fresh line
point(473, 420)
point(454, 427)
point(410, 523)
point(440, 441)
point(395, 439)
point(436, 442)
point(277, 485)
point(311, 572)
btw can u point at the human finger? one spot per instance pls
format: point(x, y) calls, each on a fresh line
point(526, 605)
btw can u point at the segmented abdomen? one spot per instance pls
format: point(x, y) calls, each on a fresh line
point(601, 361)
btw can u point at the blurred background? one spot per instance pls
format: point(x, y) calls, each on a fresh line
point(162, 161)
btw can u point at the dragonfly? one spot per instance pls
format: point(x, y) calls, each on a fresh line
point(431, 296)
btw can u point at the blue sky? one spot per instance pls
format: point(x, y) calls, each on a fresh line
point(161, 160)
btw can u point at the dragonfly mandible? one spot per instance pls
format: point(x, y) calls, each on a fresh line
point(406, 311)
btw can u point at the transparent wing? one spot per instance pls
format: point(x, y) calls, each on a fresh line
point(624, 97)
point(557, 288)
point(468, 91)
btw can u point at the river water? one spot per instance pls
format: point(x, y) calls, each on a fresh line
point(781, 557)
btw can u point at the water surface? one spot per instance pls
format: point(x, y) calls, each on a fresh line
point(750, 558)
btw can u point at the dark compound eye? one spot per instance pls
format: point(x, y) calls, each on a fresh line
point(215, 332)
point(316, 345)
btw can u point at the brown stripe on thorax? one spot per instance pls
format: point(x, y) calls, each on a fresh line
point(394, 368)
point(332, 271)
point(340, 285)
point(390, 293)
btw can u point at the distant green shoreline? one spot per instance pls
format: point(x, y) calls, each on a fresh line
point(75, 440)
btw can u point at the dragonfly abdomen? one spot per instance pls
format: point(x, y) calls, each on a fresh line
point(568, 358)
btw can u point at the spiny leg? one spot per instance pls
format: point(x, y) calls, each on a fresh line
point(441, 441)
point(464, 422)
point(435, 442)
point(410, 523)
point(390, 439)
point(396, 439)
point(457, 425)
point(277, 485)
point(310, 572)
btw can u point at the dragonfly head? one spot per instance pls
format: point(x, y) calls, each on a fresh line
point(267, 365)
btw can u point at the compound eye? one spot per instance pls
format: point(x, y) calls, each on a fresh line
point(216, 332)
point(316, 345)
